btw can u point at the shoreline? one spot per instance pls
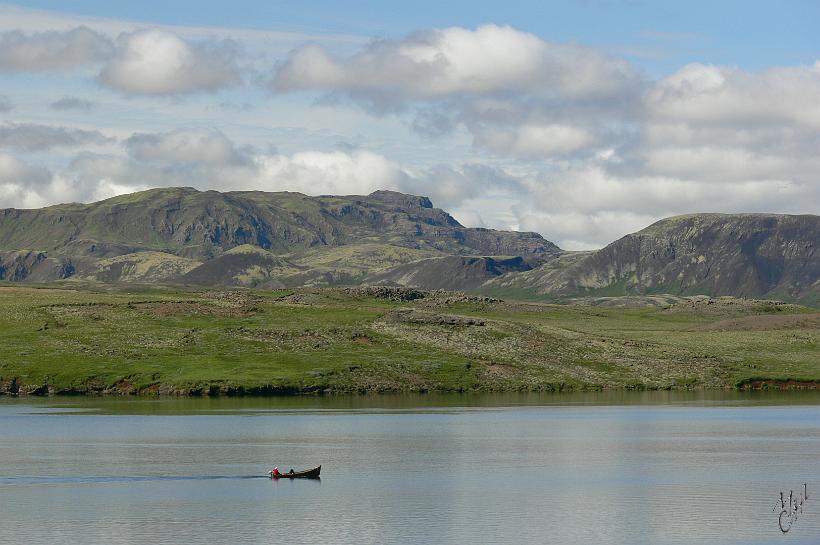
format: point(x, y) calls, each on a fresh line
point(43, 391)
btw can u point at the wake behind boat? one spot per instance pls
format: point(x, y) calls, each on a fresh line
point(306, 474)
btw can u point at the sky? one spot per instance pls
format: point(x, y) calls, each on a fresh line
point(583, 121)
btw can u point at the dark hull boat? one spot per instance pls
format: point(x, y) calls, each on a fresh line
point(306, 474)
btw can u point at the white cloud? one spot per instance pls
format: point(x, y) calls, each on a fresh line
point(26, 186)
point(514, 92)
point(522, 97)
point(52, 50)
point(720, 96)
point(729, 164)
point(92, 169)
point(156, 62)
point(21, 185)
point(209, 160)
point(535, 140)
point(318, 173)
point(141, 62)
point(15, 171)
point(579, 231)
point(455, 60)
point(725, 126)
point(587, 206)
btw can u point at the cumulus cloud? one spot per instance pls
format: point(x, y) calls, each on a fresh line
point(142, 62)
point(720, 124)
point(53, 50)
point(26, 186)
point(73, 103)
point(720, 96)
point(516, 93)
point(156, 62)
point(187, 146)
point(207, 159)
point(522, 97)
point(5, 104)
point(30, 137)
point(21, 185)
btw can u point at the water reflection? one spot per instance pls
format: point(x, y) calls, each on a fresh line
point(403, 402)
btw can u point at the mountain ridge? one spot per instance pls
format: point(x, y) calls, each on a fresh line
point(751, 255)
point(291, 216)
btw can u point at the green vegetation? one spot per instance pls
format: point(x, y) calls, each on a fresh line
point(358, 258)
point(76, 339)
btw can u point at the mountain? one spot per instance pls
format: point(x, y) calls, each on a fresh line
point(242, 238)
point(202, 225)
point(276, 240)
point(750, 255)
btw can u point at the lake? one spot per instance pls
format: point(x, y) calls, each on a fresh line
point(613, 468)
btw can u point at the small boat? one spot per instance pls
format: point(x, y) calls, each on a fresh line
point(306, 474)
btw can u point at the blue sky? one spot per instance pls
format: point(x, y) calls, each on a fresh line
point(580, 120)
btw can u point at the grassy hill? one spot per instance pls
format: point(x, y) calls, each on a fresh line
point(372, 339)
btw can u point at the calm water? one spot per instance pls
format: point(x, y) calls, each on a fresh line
point(621, 468)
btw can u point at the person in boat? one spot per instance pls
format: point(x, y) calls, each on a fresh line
point(275, 472)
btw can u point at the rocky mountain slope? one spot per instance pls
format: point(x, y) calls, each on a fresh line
point(449, 273)
point(242, 238)
point(750, 255)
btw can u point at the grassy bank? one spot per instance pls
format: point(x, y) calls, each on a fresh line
point(121, 341)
